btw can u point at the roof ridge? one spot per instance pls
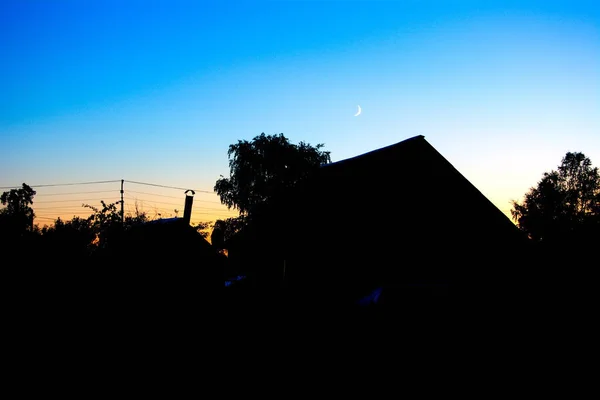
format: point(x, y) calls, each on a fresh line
point(414, 138)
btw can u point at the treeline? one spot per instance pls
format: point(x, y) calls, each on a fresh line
point(78, 237)
point(561, 212)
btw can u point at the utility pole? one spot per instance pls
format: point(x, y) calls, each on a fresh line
point(122, 204)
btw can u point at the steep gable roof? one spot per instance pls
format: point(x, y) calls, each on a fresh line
point(422, 175)
point(401, 212)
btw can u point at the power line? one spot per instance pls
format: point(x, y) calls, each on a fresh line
point(110, 181)
point(148, 205)
point(74, 184)
point(219, 211)
point(171, 197)
point(65, 194)
point(42, 217)
point(56, 215)
point(171, 204)
point(152, 201)
point(60, 184)
point(154, 194)
point(57, 207)
point(82, 204)
point(49, 212)
point(47, 209)
point(65, 201)
point(170, 187)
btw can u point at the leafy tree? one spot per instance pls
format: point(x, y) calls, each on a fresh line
point(17, 216)
point(565, 205)
point(105, 221)
point(264, 167)
point(108, 223)
point(202, 228)
point(139, 217)
point(262, 171)
point(69, 238)
point(225, 229)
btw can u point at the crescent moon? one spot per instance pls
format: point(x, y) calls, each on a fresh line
point(358, 112)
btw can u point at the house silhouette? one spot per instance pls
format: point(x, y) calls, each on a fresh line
point(161, 272)
point(400, 218)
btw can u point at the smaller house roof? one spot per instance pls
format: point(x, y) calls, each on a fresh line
point(162, 221)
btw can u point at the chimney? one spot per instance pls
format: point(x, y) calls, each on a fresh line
point(187, 212)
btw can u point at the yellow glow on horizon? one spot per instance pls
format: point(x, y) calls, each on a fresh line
point(67, 202)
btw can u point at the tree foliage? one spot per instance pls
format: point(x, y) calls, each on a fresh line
point(16, 217)
point(72, 238)
point(265, 166)
point(203, 228)
point(105, 221)
point(225, 229)
point(108, 223)
point(564, 205)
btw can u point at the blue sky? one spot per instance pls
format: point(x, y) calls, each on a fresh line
point(155, 91)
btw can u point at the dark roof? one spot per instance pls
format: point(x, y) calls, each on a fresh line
point(398, 212)
point(162, 221)
point(170, 235)
point(410, 176)
point(374, 153)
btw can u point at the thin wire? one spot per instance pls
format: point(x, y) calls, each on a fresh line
point(216, 215)
point(163, 210)
point(153, 201)
point(153, 194)
point(40, 217)
point(171, 204)
point(149, 203)
point(58, 207)
point(60, 184)
point(54, 216)
point(154, 209)
point(72, 206)
point(217, 209)
point(170, 187)
point(65, 201)
point(64, 194)
point(112, 181)
point(171, 197)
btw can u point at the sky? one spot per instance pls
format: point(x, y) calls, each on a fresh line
point(154, 92)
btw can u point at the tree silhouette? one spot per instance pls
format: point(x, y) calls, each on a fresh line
point(202, 228)
point(69, 239)
point(262, 172)
point(565, 205)
point(106, 222)
point(225, 229)
point(17, 216)
point(263, 167)
point(217, 237)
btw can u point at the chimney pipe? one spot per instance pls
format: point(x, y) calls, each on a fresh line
point(187, 212)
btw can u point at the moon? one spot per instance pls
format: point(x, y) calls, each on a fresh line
point(358, 112)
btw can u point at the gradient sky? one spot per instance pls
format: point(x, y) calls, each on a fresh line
point(156, 91)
